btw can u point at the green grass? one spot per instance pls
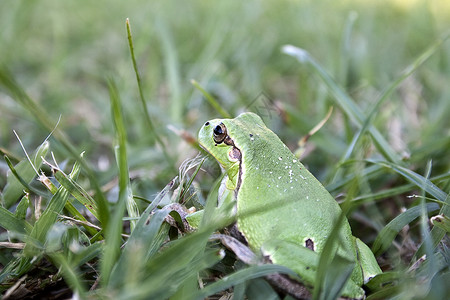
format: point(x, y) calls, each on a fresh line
point(107, 131)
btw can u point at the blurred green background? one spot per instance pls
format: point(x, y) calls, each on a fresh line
point(62, 52)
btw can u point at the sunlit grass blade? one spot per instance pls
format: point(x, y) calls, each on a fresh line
point(22, 207)
point(14, 188)
point(346, 50)
point(213, 102)
point(11, 269)
point(87, 254)
point(121, 155)
point(36, 239)
point(8, 82)
point(142, 228)
point(77, 191)
point(113, 231)
point(172, 68)
point(26, 188)
point(384, 194)
point(61, 250)
point(211, 204)
point(190, 245)
point(419, 61)
point(371, 172)
point(151, 127)
point(349, 107)
point(187, 165)
point(49, 216)
point(10, 222)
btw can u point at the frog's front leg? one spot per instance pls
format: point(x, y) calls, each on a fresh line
point(181, 222)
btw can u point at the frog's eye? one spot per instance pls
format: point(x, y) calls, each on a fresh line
point(220, 133)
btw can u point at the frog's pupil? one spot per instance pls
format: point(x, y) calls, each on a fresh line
point(207, 124)
point(218, 130)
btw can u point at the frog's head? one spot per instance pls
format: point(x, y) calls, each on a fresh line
point(236, 143)
point(214, 137)
point(226, 139)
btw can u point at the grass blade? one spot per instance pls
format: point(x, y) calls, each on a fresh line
point(437, 233)
point(223, 113)
point(328, 285)
point(388, 91)
point(121, 156)
point(139, 248)
point(240, 276)
point(418, 180)
point(14, 188)
point(431, 265)
point(344, 101)
point(49, 216)
point(151, 128)
point(339, 272)
point(71, 277)
point(155, 287)
point(346, 48)
point(8, 82)
point(172, 69)
point(390, 231)
point(11, 222)
point(114, 229)
point(77, 191)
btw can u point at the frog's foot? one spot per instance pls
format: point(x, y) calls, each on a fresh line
point(281, 282)
point(233, 231)
point(287, 285)
point(242, 251)
point(177, 217)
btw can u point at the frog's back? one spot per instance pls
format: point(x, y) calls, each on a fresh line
point(277, 190)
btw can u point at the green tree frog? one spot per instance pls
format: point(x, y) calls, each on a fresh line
point(281, 209)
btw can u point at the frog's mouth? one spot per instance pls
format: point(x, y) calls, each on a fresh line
point(234, 154)
point(220, 136)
